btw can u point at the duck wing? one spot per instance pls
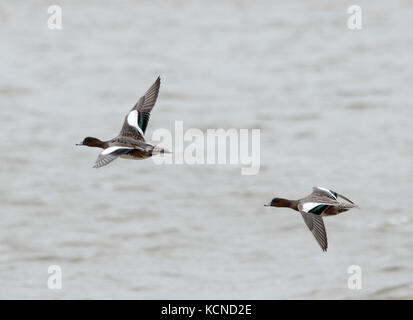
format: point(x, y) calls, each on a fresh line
point(324, 192)
point(347, 199)
point(137, 118)
point(315, 207)
point(316, 225)
point(110, 154)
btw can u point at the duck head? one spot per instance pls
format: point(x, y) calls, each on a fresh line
point(281, 202)
point(91, 142)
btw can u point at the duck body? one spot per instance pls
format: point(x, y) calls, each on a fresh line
point(130, 143)
point(320, 203)
point(139, 149)
point(324, 202)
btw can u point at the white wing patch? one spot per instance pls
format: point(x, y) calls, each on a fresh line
point(308, 206)
point(133, 120)
point(112, 149)
point(327, 191)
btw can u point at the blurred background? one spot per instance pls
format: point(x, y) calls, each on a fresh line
point(334, 107)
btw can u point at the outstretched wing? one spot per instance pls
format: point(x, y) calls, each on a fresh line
point(324, 192)
point(316, 225)
point(137, 119)
point(110, 154)
point(320, 191)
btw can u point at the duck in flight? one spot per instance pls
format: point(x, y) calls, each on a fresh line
point(321, 202)
point(130, 143)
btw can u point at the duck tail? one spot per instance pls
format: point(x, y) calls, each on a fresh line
point(159, 150)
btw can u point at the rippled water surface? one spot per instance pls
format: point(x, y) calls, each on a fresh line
point(334, 108)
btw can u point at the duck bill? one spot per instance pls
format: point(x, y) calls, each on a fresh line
point(79, 144)
point(267, 205)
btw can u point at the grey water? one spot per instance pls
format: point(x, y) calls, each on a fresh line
point(334, 107)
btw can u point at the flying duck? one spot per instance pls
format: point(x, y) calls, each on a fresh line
point(130, 143)
point(321, 202)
